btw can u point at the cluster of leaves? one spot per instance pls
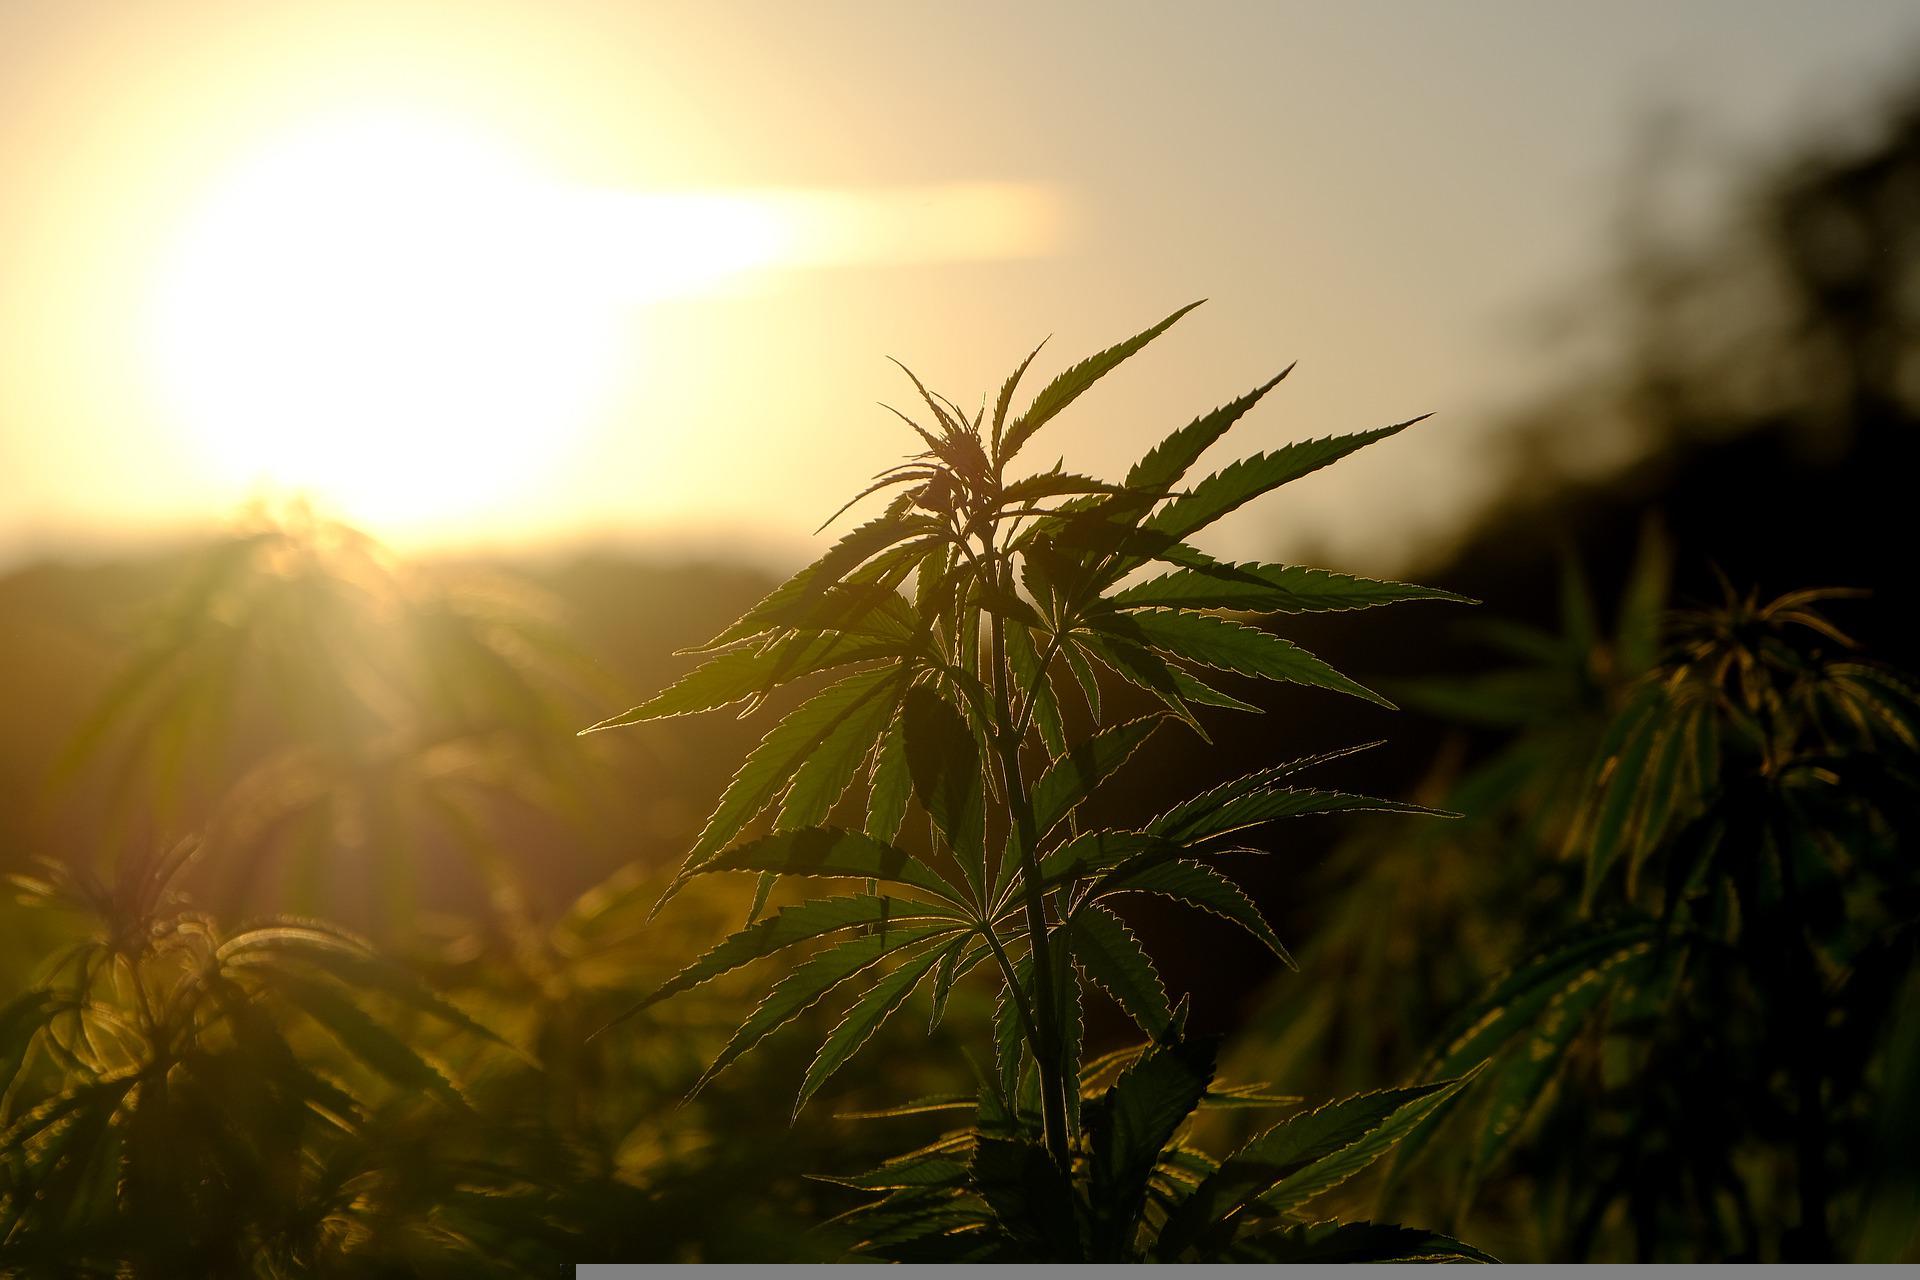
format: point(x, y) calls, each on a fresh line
point(1138, 1189)
point(955, 627)
point(182, 1100)
point(1465, 896)
point(1749, 912)
point(414, 701)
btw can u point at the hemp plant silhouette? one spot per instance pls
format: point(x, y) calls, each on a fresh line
point(953, 695)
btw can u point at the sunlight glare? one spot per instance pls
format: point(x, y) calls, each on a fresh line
point(402, 318)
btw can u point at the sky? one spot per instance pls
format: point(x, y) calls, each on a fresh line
point(526, 275)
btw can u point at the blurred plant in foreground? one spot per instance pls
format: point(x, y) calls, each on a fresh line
point(178, 1099)
point(322, 711)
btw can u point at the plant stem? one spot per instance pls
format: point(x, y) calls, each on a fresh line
point(1046, 1044)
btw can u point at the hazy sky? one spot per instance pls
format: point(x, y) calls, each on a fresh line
point(191, 196)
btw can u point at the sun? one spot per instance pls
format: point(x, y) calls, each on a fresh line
point(404, 318)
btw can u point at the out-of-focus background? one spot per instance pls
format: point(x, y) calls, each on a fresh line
point(389, 390)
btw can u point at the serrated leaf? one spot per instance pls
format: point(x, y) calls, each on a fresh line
point(833, 851)
point(1052, 484)
point(1129, 1128)
point(1113, 957)
point(1203, 887)
point(740, 674)
point(1183, 817)
point(1075, 774)
point(890, 786)
point(1167, 462)
point(944, 759)
point(842, 558)
point(1145, 669)
point(770, 767)
point(1046, 706)
point(1271, 588)
point(1067, 388)
point(810, 982)
point(1230, 646)
point(1260, 807)
point(787, 927)
point(829, 767)
point(1093, 851)
point(1004, 401)
point(1297, 1159)
point(1247, 479)
point(1083, 675)
point(862, 1020)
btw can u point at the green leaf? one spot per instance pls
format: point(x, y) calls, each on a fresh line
point(1261, 807)
point(1113, 957)
point(944, 759)
point(1271, 588)
point(1142, 667)
point(1092, 851)
point(1181, 818)
point(1074, 775)
point(1240, 483)
point(1325, 1243)
point(955, 962)
point(1297, 1159)
point(865, 1018)
point(833, 851)
point(740, 674)
point(1085, 676)
point(1230, 646)
point(830, 766)
point(1203, 887)
point(844, 556)
point(810, 982)
point(1046, 706)
point(1004, 400)
point(1131, 1125)
point(771, 766)
point(1067, 388)
point(891, 785)
point(1167, 462)
point(786, 927)
point(1052, 484)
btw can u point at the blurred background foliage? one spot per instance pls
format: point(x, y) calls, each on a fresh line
point(319, 901)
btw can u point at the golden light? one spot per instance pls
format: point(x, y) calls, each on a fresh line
point(404, 318)
point(412, 323)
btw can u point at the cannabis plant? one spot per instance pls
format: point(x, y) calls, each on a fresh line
point(955, 629)
point(328, 717)
point(1465, 897)
point(1700, 1049)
